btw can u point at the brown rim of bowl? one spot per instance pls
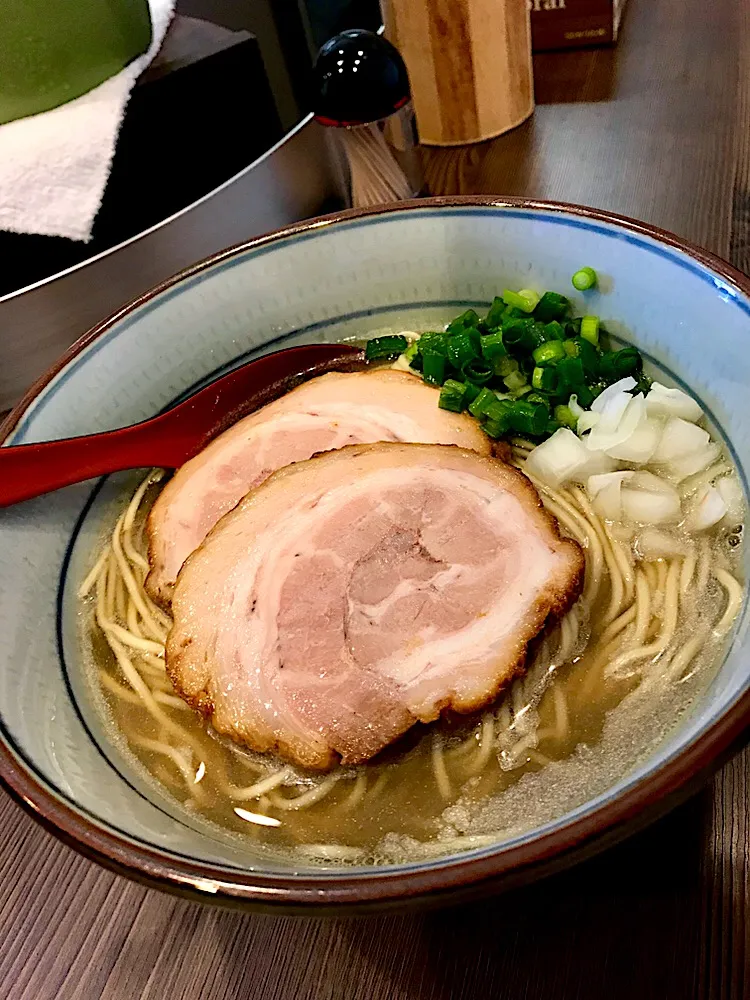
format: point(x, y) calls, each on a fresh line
point(583, 835)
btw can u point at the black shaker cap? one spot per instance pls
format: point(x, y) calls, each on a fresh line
point(358, 77)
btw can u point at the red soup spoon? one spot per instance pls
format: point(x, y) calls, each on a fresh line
point(166, 441)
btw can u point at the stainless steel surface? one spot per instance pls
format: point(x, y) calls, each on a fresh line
point(292, 181)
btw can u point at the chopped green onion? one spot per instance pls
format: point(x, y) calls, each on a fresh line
point(589, 355)
point(619, 364)
point(590, 329)
point(452, 395)
point(551, 306)
point(493, 349)
point(411, 351)
point(433, 342)
point(584, 279)
point(416, 362)
point(548, 353)
point(385, 347)
point(565, 417)
point(504, 366)
point(433, 370)
point(538, 397)
point(515, 380)
point(472, 391)
point(525, 300)
point(544, 379)
point(531, 297)
point(522, 390)
point(497, 418)
point(461, 349)
point(554, 331)
point(585, 396)
point(518, 335)
point(478, 407)
point(573, 327)
point(478, 371)
point(467, 320)
point(570, 374)
point(494, 317)
point(528, 418)
point(643, 385)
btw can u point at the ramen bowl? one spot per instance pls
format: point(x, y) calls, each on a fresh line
point(333, 279)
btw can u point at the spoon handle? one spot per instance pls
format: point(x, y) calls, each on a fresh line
point(29, 470)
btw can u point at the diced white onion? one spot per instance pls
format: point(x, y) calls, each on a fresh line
point(647, 499)
point(401, 364)
point(731, 493)
point(575, 408)
point(618, 423)
point(587, 420)
point(557, 459)
point(688, 465)
point(605, 493)
point(707, 510)
point(679, 438)
point(613, 391)
point(598, 463)
point(664, 402)
point(653, 543)
point(641, 444)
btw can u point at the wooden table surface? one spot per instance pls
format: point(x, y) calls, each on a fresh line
point(658, 128)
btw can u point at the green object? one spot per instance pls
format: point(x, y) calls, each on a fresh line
point(539, 397)
point(550, 307)
point(433, 368)
point(478, 407)
point(565, 417)
point(452, 395)
point(466, 321)
point(411, 351)
point(586, 352)
point(590, 329)
point(548, 353)
point(552, 426)
point(494, 317)
point(433, 343)
point(461, 349)
point(504, 366)
point(493, 349)
point(554, 331)
point(585, 396)
point(525, 300)
point(619, 364)
point(497, 418)
point(528, 418)
point(478, 371)
point(385, 347)
point(584, 279)
point(519, 335)
point(571, 374)
point(471, 393)
point(52, 51)
point(544, 379)
point(515, 380)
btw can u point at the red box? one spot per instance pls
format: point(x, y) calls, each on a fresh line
point(570, 24)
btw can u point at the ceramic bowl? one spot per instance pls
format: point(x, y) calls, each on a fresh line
point(321, 281)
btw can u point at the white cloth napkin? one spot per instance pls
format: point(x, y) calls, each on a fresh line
point(54, 166)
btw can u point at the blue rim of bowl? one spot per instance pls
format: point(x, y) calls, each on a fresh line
point(453, 877)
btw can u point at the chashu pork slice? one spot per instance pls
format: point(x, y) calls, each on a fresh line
point(327, 412)
point(358, 592)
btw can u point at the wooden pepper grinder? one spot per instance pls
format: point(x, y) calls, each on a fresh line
point(469, 64)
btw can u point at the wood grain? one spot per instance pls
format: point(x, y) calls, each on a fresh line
point(660, 129)
point(469, 65)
